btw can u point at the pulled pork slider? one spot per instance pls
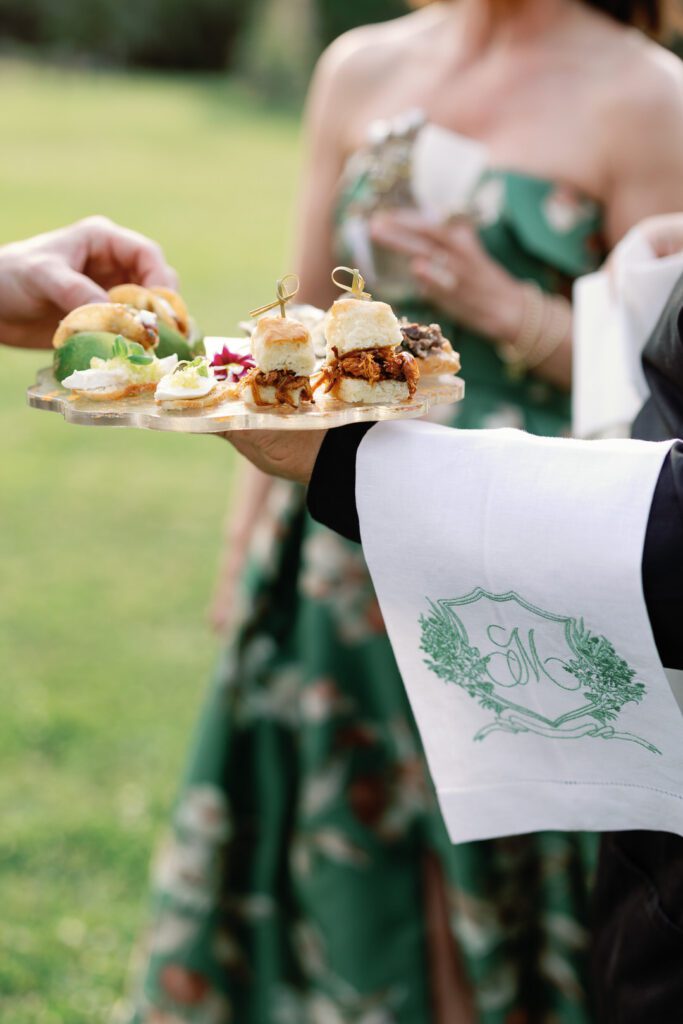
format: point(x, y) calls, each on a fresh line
point(364, 359)
point(285, 360)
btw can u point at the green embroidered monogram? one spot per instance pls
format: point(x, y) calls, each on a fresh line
point(517, 673)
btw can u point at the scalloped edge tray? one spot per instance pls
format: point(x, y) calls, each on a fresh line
point(144, 414)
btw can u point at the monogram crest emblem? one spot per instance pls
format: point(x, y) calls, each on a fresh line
point(546, 674)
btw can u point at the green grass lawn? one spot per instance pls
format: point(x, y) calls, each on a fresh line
point(109, 538)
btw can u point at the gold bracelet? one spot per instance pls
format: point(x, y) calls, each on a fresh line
point(557, 331)
point(530, 332)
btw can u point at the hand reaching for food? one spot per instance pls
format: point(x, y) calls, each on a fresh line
point(43, 278)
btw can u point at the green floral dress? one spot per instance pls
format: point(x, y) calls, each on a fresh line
point(291, 890)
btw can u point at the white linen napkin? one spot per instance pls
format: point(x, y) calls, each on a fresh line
point(614, 314)
point(508, 570)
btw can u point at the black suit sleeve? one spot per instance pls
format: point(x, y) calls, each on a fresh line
point(332, 502)
point(663, 561)
point(332, 490)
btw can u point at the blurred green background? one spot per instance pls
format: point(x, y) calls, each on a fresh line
point(109, 538)
point(271, 43)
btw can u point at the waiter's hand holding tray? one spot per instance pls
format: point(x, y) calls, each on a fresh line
point(133, 362)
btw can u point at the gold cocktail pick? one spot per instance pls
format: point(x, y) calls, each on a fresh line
point(283, 296)
point(357, 282)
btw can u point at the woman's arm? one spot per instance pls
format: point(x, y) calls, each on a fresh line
point(252, 488)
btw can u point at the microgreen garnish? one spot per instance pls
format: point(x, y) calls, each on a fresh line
point(120, 347)
point(131, 351)
point(138, 355)
point(198, 364)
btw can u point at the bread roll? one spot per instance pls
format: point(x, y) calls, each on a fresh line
point(112, 318)
point(164, 303)
point(179, 307)
point(444, 360)
point(268, 396)
point(281, 344)
point(384, 392)
point(353, 324)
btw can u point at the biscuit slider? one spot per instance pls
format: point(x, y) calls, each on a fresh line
point(364, 358)
point(285, 359)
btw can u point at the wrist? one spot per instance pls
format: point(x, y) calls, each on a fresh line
point(545, 326)
point(510, 312)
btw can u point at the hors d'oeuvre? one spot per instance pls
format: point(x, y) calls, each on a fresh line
point(285, 360)
point(365, 362)
point(191, 385)
point(154, 318)
point(131, 370)
point(113, 318)
point(313, 320)
point(434, 353)
point(310, 316)
point(174, 324)
point(167, 305)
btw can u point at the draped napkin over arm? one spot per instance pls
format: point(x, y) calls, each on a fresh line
point(508, 570)
point(615, 312)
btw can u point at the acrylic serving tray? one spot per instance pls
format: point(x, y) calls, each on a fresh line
point(143, 413)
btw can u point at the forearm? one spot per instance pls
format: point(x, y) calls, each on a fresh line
point(252, 488)
point(533, 333)
point(557, 368)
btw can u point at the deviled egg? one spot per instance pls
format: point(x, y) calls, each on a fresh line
point(191, 385)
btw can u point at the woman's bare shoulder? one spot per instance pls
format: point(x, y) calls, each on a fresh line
point(362, 56)
point(639, 79)
point(638, 120)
